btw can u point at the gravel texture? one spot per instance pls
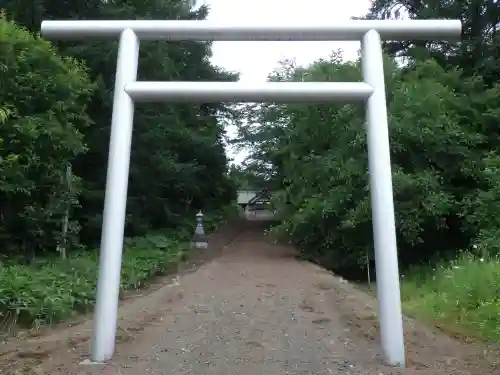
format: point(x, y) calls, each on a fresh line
point(253, 311)
point(251, 308)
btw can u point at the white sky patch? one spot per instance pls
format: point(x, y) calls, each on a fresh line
point(255, 60)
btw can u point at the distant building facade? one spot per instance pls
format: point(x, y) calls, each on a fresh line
point(255, 204)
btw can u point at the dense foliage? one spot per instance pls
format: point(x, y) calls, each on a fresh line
point(443, 119)
point(55, 116)
point(178, 161)
point(50, 290)
point(44, 98)
point(245, 178)
point(55, 111)
point(443, 101)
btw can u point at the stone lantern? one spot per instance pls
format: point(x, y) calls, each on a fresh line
point(199, 237)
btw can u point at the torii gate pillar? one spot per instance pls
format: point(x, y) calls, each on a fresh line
point(372, 91)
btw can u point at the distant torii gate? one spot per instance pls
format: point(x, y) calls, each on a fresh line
point(371, 91)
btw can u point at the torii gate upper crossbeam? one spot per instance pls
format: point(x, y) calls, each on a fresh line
point(372, 91)
point(207, 30)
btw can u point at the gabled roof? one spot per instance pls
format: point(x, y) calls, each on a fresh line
point(262, 196)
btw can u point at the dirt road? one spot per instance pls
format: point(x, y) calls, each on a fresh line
point(253, 309)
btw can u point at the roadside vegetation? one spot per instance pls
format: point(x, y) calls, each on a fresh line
point(460, 297)
point(51, 290)
point(55, 108)
point(55, 115)
point(443, 101)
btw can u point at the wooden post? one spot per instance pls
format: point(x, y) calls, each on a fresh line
point(65, 222)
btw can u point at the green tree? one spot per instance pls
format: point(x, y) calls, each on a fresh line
point(246, 178)
point(178, 162)
point(476, 55)
point(318, 162)
point(43, 99)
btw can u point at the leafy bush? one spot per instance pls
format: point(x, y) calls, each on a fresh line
point(316, 157)
point(178, 162)
point(444, 138)
point(51, 291)
point(43, 100)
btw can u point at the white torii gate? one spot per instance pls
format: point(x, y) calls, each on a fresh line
point(372, 91)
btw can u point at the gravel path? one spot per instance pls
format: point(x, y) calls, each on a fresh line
point(256, 310)
point(253, 309)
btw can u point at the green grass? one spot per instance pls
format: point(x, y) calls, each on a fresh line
point(461, 297)
point(52, 290)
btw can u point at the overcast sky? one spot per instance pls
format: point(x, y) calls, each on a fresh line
point(255, 60)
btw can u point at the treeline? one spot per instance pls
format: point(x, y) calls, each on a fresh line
point(444, 129)
point(55, 116)
point(443, 107)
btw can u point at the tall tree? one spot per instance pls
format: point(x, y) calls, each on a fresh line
point(178, 162)
point(476, 53)
point(44, 98)
point(318, 162)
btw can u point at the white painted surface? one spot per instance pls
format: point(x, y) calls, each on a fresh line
point(244, 196)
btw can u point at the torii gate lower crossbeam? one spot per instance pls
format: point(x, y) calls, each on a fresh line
point(372, 91)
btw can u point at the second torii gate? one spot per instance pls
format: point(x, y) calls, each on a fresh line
point(372, 91)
